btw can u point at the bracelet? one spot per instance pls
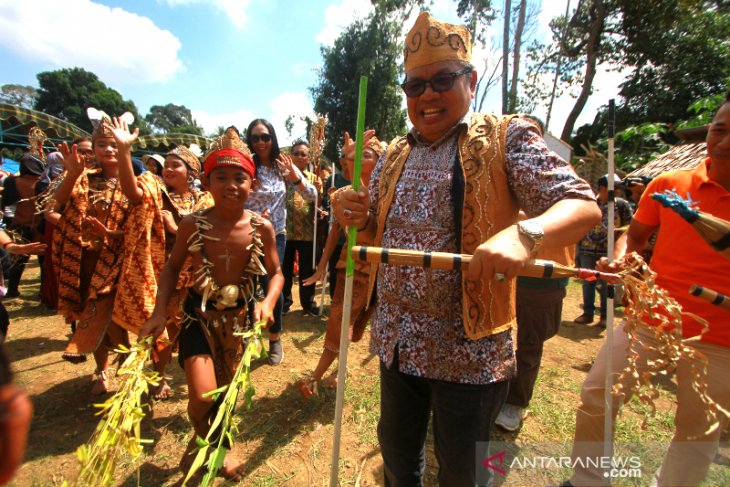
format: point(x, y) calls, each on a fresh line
point(367, 222)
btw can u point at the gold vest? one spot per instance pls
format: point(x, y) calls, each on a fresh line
point(489, 207)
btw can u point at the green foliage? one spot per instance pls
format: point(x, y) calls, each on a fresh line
point(678, 53)
point(366, 48)
point(119, 430)
point(67, 93)
point(19, 95)
point(675, 64)
point(639, 144)
point(172, 118)
point(702, 111)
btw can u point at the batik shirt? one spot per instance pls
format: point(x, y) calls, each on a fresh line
point(596, 240)
point(419, 310)
point(270, 194)
point(300, 212)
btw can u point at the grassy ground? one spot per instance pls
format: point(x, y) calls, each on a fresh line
point(286, 440)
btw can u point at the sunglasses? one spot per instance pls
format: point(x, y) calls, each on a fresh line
point(263, 137)
point(300, 154)
point(439, 83)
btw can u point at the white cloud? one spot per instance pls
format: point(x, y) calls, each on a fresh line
point(337, 16)
point(549, 10)
point(119, 46)
point(234, 9)
point(210, 122)
point(297, 104)
point(281, 107)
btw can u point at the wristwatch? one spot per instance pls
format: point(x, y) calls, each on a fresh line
point(534, 232)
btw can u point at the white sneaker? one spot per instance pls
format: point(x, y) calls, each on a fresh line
point(510, 417)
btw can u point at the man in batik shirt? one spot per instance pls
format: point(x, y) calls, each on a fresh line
point(455, 183)
point(300, 233)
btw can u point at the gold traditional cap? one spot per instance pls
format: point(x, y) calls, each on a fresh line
point(188, 157)
point(430, 41)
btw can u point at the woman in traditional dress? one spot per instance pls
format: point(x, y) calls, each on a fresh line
point(273, 171)
point(88, 247)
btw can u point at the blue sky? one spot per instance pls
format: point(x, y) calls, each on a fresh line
point(229, 61)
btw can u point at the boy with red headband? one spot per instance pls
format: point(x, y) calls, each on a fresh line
point(226, 244)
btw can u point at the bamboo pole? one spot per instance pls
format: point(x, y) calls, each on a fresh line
point(444, 260)
point(710, 296)
point(347, 301)
point(608, 396)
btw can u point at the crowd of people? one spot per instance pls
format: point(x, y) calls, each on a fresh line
point(197, 248)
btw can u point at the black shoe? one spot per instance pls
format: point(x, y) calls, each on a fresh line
point(276, 352)
point(584, 319)
point(312, 310)
point(285, 311)
point(12, 294)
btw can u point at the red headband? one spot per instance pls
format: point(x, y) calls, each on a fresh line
point(228, 157)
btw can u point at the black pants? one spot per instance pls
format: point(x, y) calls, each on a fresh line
point(538, 319)
point(463, 415)
point(306, 293)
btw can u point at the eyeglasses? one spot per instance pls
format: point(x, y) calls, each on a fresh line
point(300, 154)
point(263, 137)
point(439, 83)
point(85, 152)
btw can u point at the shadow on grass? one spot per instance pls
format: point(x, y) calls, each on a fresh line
point(578, 333)
point(66, 409)
point(23, 348)
point(273, 427)
point(149, 474)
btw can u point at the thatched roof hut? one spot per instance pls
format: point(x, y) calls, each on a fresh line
point(686, 155)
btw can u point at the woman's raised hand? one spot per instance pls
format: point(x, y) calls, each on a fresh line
point(125, 139)
point(286, 166)
point(73, 164)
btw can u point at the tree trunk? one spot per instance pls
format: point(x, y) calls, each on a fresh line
point(505, 55)
point(557, 68)
point(593, 45)
point(512, 105)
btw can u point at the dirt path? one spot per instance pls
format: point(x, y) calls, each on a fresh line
point(283, 439)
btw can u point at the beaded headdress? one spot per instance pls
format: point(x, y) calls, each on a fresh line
point(229, 150)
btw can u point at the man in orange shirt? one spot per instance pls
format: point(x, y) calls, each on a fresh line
point(681, 258)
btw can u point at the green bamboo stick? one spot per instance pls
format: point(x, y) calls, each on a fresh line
point(347, 300)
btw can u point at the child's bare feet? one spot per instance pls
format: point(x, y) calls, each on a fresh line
point(101, 382)
point(307, 387)
point(163, 391)
point(233, 470)
point(330, 382)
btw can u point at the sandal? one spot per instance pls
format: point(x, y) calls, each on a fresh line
point(307, 388)
point(102, 381)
